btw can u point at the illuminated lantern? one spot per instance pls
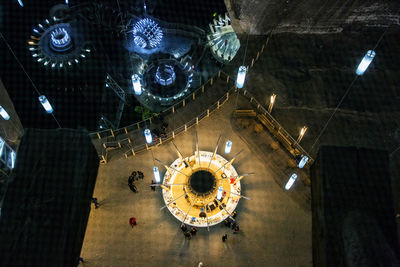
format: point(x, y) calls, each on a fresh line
point(20, 3)
point(303, 161)
point(147, 34)
point(241, 76)
point(147, 135)
point(228, 147)
point(137, 87)
point(1, 146)
point(156, 175)
point(12, 160)
point(367, 59)
point(46, 104)
point(291, 181)
point(219, 193)
point(4, 113)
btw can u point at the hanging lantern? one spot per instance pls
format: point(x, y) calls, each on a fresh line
point(12, 160)
point(4, 113)
point(367, 59)
point(303, 161)
point(156, 174)
point(291, 181)
point(137, 87)
point(228, 147)
point(241, 76)
point(1, 146)
point(46, 104)
point(147, 135)
point(219, 193)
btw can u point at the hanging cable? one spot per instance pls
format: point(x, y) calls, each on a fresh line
point(348, 90)
point(27, 75)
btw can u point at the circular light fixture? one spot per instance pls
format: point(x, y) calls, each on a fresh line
point(165, 75)
point(60, 40)
point(147, 34)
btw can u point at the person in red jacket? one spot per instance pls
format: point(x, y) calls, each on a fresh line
point(132, 221)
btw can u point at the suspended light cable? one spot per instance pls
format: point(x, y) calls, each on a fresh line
point(27, 75)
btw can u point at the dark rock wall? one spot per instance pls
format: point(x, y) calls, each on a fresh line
point(310, 16)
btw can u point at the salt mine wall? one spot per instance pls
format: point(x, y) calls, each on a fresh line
point(310, 16)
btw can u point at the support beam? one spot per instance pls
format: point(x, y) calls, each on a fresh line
point(215, 152)
point(172, 201)
point(171, 167)
point(230, 162)
point(180, 156)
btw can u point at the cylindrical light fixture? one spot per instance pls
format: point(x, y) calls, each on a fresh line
point(241, 76)
point(1, 146)
point(156, 174)
point(4, 113)
point(219, 193)
point(12, 159)
point(147, 135)
point(367, 59)
point(137, 87)
point(228, 147)
point(46, 104)
point(291, 181)
point(303, 161)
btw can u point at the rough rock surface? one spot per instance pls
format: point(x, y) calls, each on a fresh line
point(310, 16)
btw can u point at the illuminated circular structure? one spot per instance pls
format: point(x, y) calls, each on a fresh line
point(147, 34)
point(60, 40)
point(201, 190)
point(165, 75)
point(56, 44)
point(167, 79)
point(222, 39)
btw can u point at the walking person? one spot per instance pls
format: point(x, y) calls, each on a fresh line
point(193, 231)
point(133, 188)
point(94, 201)
point(81, 260)
point(224, 237)
point(140, 175)
point(188, 235)
point(132, 221)
point(152, 185)
point(236, 230)
point(183, 227)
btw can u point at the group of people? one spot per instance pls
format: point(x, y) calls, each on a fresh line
point(135, 176)
point(188, 233)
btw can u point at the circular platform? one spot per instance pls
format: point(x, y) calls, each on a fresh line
point(191, 188)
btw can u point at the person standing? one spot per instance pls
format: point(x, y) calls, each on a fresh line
point(193, 231)
point(94, 201)
point(140, 175)
point(224, 237)
point(132, 221)
point(183, 227)
point(236, 229)
point(188, 235)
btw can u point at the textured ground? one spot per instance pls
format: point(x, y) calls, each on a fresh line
point(275, 230)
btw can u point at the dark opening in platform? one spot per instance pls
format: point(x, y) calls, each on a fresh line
point(202, 182)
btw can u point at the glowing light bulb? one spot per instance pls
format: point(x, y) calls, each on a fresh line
point(241, 76)
point(46, 104)
point(291, 181)
point(228, 147)
point(367, 59)
point(156, 174)
point(147, 135)
point(4, 113)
